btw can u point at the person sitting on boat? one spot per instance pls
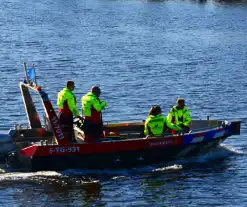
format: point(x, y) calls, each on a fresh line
point(180, 115)
point(92, 108)
point(66, 102)
point(156, 124)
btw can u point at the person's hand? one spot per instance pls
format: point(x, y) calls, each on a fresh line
point(103, 103)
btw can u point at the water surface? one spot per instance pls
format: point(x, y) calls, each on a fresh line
point(140, 53)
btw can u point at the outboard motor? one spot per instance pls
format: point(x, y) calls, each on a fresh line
point(83, 124)
point(80, 123)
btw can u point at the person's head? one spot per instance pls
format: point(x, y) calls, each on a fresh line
point(70, 85)
point(155, 110)
point(180, 103)
point(96, 91)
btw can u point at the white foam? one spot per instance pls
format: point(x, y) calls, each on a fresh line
point(28, 175)
point(233, 150)
point(172, 167)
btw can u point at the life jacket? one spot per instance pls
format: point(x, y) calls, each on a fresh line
point(154, 125)
point(92, 108)
point(65, 110)
point(66, 102)
point(179, 116)
point(96, 116)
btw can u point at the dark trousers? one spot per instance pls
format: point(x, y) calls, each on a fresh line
point(66, 122)
point(92, 131)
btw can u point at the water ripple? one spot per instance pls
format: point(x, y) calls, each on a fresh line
point(140, 53)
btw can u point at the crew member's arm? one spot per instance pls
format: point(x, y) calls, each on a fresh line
point(146, 128)
point(173, 126)
point(60, 100)
point(99, 106)
point(170, 115)
point(72, 106)
point(187, 118)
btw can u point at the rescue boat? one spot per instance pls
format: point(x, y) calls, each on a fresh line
point(45, 146)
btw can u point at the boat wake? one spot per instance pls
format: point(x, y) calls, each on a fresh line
point(221, 152)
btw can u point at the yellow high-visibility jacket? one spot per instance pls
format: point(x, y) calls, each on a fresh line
point(66, 96)
point(154, 125)
point(179, 116)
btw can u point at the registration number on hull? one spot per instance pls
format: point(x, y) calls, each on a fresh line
point(71, 149)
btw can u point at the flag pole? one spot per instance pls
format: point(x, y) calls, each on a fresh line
point(25, 68)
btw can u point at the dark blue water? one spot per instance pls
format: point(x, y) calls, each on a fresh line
point(140, 53)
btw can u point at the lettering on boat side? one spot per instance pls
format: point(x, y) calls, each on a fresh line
point(64, 149)
point(166, 142)
point(57, 128)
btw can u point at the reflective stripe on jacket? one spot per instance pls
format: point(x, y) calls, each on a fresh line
point(92, 107)
point(179, 116)
point(66, 102)
point(155, 125)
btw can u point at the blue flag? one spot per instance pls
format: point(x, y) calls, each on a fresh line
point(31, 74)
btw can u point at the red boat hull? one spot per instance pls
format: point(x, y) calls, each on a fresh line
point(126, 154)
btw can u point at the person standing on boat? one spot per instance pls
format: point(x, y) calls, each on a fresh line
point(66, 102)
point(180, 115)
point(156, 124)
point(92, 108)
